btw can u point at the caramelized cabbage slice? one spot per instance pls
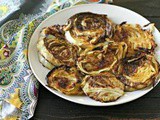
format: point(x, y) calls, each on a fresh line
point(99, 60)
point(136, 38)
point(86, 29)
point(66, 80)
point(44, 62)
point(103, 87)
point(138, 71)
point(55, 50)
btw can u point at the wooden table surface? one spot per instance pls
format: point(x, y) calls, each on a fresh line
point(52, 107)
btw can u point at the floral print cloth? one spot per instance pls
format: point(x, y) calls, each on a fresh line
point(18, 86)
point(9, 6)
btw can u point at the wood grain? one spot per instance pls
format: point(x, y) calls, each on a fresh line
point(52, 107)
point(147, 8)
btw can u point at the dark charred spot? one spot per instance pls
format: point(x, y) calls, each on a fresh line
point(96, 20)
point(98, 48)
point(57, 31)
point(79, 27)
point(137, 56)
point(102, 39)
point(79, 81)
point(145, 50)
point(147, 25)
point(130, 67)
point(80, 89)
point(130, 64)
point(123, 46)
point(123, 23)
point(67, 68)
point(101, 64)
point(124, 34)
point(90, 38)
point(121, 78)
point(62, 82)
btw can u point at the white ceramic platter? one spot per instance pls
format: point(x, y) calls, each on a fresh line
point(117, 15)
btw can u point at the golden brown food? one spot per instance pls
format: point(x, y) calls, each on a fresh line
point(135, 37)
point(93, 56)
point(66, 80)
point(138, 71)
point(86, 29)
point(101, 59)
point(54, 50)
point(103, 87)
